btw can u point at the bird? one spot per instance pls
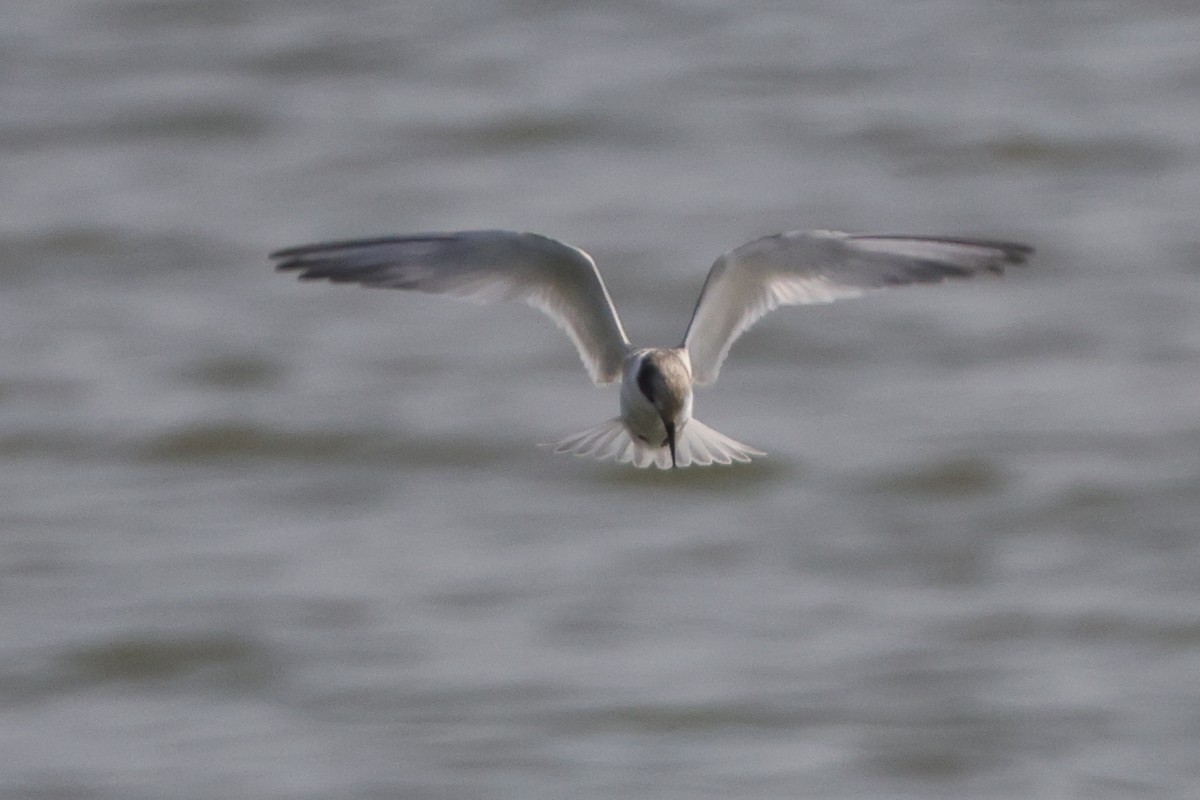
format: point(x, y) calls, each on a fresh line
point(655, 425)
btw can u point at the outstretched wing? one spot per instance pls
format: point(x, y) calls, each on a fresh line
point(803, 267)
point(483, 266)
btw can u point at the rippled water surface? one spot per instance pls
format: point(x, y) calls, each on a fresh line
point(261, 539)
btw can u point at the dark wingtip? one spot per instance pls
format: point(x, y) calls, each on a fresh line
point(1012, 252)
point(1015, 252)
point(305, 269)
point(287, 266)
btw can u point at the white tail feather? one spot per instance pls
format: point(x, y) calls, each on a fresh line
point(700, 444)
point(696, 445)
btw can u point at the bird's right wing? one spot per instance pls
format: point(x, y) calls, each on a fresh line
point(483, 266)
point(804, 267)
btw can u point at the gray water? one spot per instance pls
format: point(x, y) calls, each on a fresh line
point(261, 539)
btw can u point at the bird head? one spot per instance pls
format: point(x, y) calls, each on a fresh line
point(665, 380)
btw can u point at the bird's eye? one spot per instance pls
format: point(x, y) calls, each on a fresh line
point(644, 439)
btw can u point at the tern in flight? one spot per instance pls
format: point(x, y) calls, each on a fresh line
point(655, 425)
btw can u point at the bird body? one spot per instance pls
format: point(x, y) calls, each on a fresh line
point(655, 425)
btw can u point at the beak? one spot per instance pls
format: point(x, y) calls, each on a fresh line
point(671, 440)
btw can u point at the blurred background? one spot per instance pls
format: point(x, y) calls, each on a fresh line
point(260, 539)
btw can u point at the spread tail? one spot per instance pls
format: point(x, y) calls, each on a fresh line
point(696, 445)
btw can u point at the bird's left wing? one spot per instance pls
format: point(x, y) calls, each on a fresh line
point(483, 266)
point(804, 267)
